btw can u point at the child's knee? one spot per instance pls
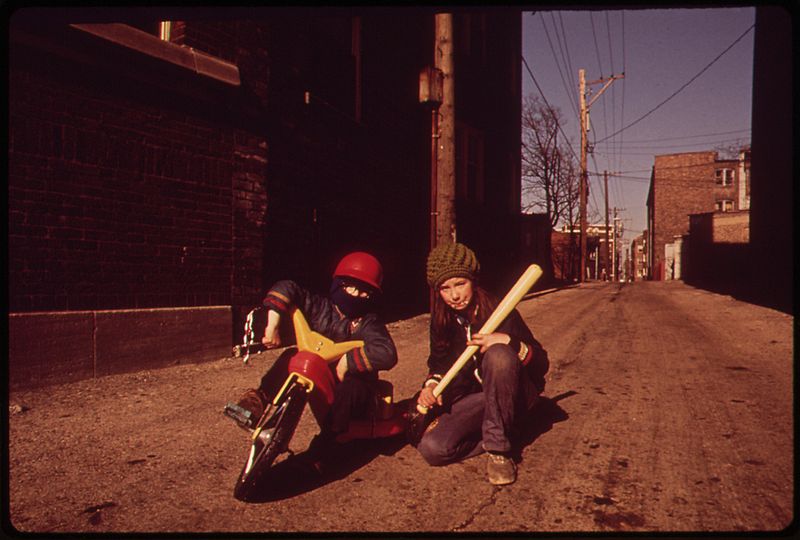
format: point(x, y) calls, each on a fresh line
point(433, 452)
point(499, 358)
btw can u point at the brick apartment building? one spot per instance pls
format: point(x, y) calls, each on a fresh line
point(761, 270)
point(685, 184)
point(161, 176)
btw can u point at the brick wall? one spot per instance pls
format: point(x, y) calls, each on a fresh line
point(133, 184)
point(113, 204)
point(121, 196)
point(684, 184)
point(732, 227)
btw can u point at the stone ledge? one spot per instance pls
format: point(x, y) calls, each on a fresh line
point(55, 347)
point(185, 57)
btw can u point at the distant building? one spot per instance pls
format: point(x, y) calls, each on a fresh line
point(685, 184)
point(638, 257)
point(600, 258)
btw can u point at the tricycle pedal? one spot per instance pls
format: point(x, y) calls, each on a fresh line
point(240, 415)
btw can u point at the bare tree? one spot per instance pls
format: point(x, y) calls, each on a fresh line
point(549, 174)
point(550, 177)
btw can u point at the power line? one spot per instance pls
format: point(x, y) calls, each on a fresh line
point(692, 136)
point(566, 46)
point(600, 68)
point(679, 90)
point(636, 146)
point(622, 106)
point(566, 139)
point(558, 66)
point(653, 153)
point(613, 88)
point(596, 48)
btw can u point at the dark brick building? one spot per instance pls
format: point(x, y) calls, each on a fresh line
point(157, 186)
point(769, 278)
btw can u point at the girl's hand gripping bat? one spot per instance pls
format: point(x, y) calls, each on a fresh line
point(503, 309)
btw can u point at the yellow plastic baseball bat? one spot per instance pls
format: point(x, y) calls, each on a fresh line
point(503, 309)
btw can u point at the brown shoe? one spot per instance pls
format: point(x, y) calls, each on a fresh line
point(249, 409)
point(500, 469)
point(253, 401)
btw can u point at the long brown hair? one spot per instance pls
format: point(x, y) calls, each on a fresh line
point(443, 316)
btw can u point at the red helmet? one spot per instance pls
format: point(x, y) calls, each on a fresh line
point(361, 266)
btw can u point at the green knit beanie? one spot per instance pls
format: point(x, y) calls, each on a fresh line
point(450, 260)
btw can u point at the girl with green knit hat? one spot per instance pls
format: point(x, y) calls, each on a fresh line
point(479, 409)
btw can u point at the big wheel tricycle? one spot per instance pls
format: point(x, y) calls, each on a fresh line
point(310, 381)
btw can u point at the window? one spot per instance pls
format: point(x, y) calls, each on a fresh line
point(724, 177)
point(724, 206)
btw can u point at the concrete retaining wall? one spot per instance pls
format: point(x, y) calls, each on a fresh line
point(55, 347)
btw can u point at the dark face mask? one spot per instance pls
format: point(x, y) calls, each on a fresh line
point(351, 306)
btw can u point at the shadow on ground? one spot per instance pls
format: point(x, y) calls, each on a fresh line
point(540, 420)
point(295, 476)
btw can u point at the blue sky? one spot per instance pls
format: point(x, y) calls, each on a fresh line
point(659, 51)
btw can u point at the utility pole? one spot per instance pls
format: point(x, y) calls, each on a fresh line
point(582, 245)
point(585, 148)
point(614, 252)
point(430, 95)
point(608, 246)
point(446, 154)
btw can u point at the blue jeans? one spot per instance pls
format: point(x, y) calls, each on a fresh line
point(483, 420)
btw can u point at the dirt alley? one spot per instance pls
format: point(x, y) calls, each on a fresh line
point(667, 408)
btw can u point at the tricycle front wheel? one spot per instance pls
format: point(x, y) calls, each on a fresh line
point(272, 440)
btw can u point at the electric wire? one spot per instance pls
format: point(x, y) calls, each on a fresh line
point(613, 87)
point(622, 104)
point(717, 142)
point(558, 66)
point(541, 93)
point(596, 47)
point(600, 68)
point(693, 136)
point(683, 87)
point(561, 38)
point(566, 45)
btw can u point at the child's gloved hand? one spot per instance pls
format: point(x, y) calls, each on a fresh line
point(272, 338)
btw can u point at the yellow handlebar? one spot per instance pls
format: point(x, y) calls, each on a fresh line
point(308, 340)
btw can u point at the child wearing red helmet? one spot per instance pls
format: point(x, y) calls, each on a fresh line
point(347, 313)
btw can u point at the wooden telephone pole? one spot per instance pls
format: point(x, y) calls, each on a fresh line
point(446, 154)
point(584, 150)
point(608, 247)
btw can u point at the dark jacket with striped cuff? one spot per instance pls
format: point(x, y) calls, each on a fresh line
point(528, 349)
point(379, 351)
